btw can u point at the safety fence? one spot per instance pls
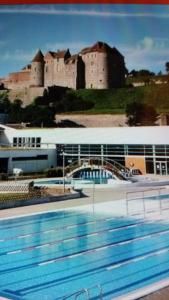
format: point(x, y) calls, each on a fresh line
point(147, 201)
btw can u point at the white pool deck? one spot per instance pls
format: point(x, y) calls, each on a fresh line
point(118, 201)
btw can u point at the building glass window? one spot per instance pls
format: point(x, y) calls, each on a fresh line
point(159, 150)
point(20, 142)
point(95, 149)
point(32, 142)
point(15, 142)
point(167, 150)
point(84, 149)
point(135, 149)
point(38, 142)
point(70, 148)
point(23, 142)
point(27, 142)
point(149, 166)
point(148, 150)
point(113, 149)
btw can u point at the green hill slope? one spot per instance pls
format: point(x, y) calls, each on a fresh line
point(115, 100)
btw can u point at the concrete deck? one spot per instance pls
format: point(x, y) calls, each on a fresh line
point(162, 294)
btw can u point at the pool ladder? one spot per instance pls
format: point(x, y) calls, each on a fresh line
point(86, 293)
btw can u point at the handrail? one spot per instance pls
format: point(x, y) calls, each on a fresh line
point(85, 291)
point(147, 190)
point(102, 163)
point(143, 198)
point(77, 294)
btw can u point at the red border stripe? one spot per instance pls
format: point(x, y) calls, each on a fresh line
point(14, 2)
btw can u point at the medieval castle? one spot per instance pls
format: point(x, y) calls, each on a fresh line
point(97, 67)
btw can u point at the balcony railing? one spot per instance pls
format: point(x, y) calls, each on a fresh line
point(10, 146)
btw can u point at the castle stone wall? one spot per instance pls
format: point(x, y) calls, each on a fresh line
point(71, 74)
point(27, 95)
point(59, 72)
point(18, 79)
point(99, 120)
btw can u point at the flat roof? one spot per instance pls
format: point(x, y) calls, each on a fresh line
point(113, 135)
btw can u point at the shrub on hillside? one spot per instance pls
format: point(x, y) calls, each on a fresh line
point(53, 172)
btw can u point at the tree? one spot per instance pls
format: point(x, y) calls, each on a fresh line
point(16, 111)
point(4, 103)
point(141, 73)
point(167, 67)
point(140, 114)
point(133, 73)
point(2, 86)
point(38, 116)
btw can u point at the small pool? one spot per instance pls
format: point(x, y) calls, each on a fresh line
point(55, 254)
point(52, 181)
point(72, 181)
point(78, 182)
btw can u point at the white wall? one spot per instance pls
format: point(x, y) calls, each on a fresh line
point(29, 166)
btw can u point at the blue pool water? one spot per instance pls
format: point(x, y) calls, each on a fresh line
point(51, 255)
point(72, 181)
point(52, 181)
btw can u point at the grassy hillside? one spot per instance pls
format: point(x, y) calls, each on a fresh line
point(115, 100)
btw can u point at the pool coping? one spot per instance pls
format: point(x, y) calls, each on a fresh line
point(145, 291)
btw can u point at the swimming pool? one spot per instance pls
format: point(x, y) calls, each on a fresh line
point(78, 182)
point(55, 254)
point(71, 181)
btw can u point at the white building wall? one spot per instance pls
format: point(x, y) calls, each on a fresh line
point(29, 166)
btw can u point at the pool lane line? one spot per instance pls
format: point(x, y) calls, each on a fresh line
point(53, 261)
point(141, 257)
point(39, 216)
point(65, 227)
point(56, 229)
point(48, 231)
point(76, 238)
point(50, 218)
point(32, 248)
point(26, 290)
point(39, 220)
point(84, 252)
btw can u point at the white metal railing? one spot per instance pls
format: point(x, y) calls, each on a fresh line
point(28, 146)
point(162, 207)
point(86, 292)
point(119, 170)
point(143, 197)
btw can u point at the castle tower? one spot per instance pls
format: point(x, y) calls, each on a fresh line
point(37, 70)
point(101, 66)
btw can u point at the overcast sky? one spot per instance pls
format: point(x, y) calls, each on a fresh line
point(140, 32)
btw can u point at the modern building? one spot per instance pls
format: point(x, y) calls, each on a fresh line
point(33, 150)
